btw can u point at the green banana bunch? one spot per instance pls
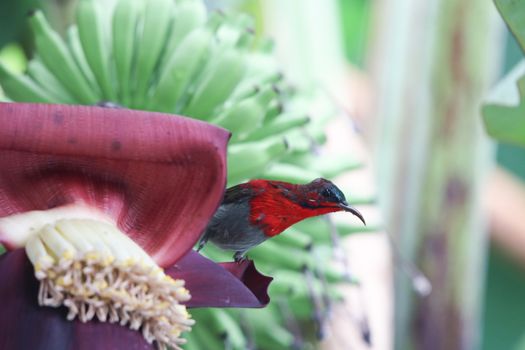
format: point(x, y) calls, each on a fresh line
point(174, 57)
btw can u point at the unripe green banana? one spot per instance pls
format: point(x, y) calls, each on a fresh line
point(248, 159)
point(315, 227)
point(261, 69)
point(265, 94)
point(75, 47)
point(21, 88)
point(234, 28)
point(289, 173)
point(157, 19)
point(246, 115)
point(192, 342)
point(275, 338)
point(216, 254)
point(334, 274)
point(222, 324)
point(180, 69)
point(319, 228)
point(96, 45)
point(358, 200)
point(347, 229)
point(228, 34)
point(266, 45)
point(316, 131)
point(201, 331)
point(300, 142)
point(241, 118)
point(294, 238)
point(215, 327)
point(302, 307)
point(218, 81)
point(274, 110)
point(278, 126)
point(241, 94)
point(187, 16)
point(57, 58)
point(328, 165)
point(285, 257)
point(212, 255)
point(125, 23)
point(292, 283)
point(43, 77)
point(268, 331)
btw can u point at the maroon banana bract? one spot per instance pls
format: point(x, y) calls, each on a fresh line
point(159, 177)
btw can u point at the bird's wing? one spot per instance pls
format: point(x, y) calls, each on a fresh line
point(237, 194)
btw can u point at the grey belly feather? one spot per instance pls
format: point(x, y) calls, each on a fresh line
point(230, 228)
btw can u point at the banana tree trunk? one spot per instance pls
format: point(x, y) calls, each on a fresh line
point(431, 62)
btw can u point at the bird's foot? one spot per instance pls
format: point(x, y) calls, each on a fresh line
point(240, 257)
point(202, 243)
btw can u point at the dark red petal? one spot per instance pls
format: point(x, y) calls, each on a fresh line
point(248, 274)
point(212, 285)
point(160, 176)
point(25, 325)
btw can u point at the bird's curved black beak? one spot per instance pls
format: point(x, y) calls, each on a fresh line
point(352, 210)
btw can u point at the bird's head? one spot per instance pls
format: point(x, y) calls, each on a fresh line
point(276, 205)
point(323, 194)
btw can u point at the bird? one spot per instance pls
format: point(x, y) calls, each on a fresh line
point(257, 210)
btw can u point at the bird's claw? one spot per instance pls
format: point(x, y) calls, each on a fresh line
point(239, 257)
point(201, 244)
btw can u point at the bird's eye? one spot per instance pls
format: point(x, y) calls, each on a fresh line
point(326, 193)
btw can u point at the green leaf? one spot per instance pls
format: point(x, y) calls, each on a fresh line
point(513, 13)
point(504, 114)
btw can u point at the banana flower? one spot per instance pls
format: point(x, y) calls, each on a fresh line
point(99, 211)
